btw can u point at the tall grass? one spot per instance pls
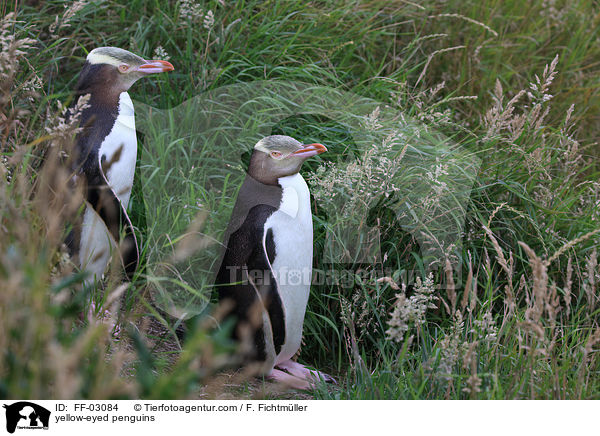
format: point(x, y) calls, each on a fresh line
point(512, 313)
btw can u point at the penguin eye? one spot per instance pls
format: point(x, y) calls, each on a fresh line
point(123, 68)
point(275, 154)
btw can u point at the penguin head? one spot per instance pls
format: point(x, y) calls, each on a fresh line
point(115, 70)
point(280, 156)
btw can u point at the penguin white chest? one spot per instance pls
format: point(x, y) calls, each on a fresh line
point(123, 137)
point(291, 226)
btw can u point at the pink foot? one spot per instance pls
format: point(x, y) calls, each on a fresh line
point(104, 317)
point(289, 380)
point(298, 370)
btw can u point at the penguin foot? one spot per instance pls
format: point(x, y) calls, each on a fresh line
point(104, 317)
point(289, 380)
point(300, 371)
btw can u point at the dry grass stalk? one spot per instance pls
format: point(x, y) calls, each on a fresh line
point(494, 212)
point(467, 19)
point(193, 240)
point(468, 287)
point(570, 245)
point(500, 117)
point(390, 281)
point(450, 286)
point(470, 362)
point(351, 338)
point(45, 207)
point(450, 350)
point(506, 266)
point(410, 312)
point(568, 286)
point(540, 285)
point(590, 285)
point(589, 355)
point(67, 16)
point(432, 55)
point(12, 51)
point(544, 300)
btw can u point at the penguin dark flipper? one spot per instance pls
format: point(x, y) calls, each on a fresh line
point(250, 295)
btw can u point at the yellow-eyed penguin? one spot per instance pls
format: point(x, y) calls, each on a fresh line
point(106, 152)
point(265, 274)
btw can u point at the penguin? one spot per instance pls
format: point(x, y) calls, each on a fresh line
point(105, 155)
point(264, 277)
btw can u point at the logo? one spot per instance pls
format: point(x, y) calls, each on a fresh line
point(26, 415)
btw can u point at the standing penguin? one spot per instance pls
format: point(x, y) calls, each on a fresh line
point(106, 152)
point(265, 274)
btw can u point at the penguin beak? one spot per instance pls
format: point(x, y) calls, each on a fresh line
point(309, 150)
point(157, 66)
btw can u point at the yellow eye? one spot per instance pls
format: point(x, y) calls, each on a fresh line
point(275, 154)
point(123, 68)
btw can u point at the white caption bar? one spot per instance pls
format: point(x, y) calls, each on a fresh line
point(262, 417)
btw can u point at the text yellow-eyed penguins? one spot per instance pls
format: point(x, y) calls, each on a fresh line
point(106, 151)
point(266, 269)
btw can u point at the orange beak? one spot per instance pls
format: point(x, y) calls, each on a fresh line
point(156, 66)
point(309, 150)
